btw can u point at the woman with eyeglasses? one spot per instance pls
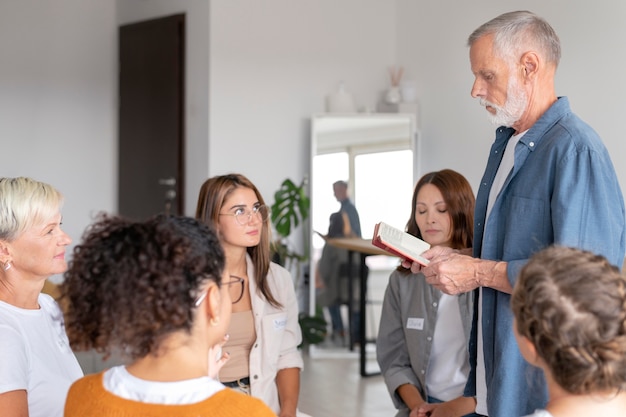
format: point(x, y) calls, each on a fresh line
point(156, 292)
point(264, 333)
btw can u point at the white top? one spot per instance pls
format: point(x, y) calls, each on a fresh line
point(448, 365)
point(505, 168)
point(36, 356)
point(506, 165)
point(118, 381)
point(540, 413)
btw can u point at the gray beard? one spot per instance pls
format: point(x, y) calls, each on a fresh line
point(513, 109)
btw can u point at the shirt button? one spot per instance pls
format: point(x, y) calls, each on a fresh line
point(429, 338)
point(531, 144)
point(423, 372)
point(256, 377)
point(435, 304)
point(256, 345)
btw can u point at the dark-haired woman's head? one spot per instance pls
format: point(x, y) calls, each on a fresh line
point(336, 225)
point(442, 211)
point(132, 284)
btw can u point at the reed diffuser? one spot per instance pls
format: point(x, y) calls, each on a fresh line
point(393, 95)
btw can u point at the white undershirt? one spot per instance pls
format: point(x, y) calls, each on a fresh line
point(118, 381)
point(448, 364)
point(506, 166)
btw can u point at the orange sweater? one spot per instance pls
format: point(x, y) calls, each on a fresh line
point(87, 397)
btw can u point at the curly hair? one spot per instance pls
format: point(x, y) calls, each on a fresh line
point(571, 304)
point(130, 284)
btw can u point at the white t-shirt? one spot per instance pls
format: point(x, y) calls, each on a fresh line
point(540, 413)
point(448, 364)
point(36, 356)
point(505, 168)
point(118, 381)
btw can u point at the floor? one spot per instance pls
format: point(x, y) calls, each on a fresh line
point(331, 384)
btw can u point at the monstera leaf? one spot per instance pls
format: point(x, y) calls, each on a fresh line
point(290, 208)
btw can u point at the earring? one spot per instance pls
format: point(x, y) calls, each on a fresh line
point(7, 265)
point(214, 321)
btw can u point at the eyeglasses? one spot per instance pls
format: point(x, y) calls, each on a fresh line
point(235, 287)
point(244, 216)
point(236, 291)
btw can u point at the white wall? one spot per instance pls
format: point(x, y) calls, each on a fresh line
point(456, 133)
point(257, 70)
point(272, 64)
point(57, 119)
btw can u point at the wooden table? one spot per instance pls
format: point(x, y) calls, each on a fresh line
point(364, 248)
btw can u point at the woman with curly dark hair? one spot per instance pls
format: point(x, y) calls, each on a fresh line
point(570, 321)
point(156, 292)
point(264, 333)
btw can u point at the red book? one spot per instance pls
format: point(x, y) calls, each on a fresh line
point(399, 243)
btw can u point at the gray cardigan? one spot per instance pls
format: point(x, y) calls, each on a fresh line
point(403, 353)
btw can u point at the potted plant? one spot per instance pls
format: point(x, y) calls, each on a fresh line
point(290, 210)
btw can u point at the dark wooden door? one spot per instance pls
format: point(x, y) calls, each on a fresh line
point(151, 117)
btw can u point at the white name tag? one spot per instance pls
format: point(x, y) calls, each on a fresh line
point(280, 323)
point(415, 323)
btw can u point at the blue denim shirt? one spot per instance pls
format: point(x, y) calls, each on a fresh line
point(562, 190)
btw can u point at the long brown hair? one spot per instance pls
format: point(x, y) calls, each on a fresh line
point(459, 198)
point(213, 194)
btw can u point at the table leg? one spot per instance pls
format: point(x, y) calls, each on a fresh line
point(363, 273)
point(350, 302)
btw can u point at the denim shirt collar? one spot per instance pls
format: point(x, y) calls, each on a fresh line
point(537, 131)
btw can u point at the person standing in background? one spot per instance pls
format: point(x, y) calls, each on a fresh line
point(332, 280)
point(548, 180)
point(340, 189)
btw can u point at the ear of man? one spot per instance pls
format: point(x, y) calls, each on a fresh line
point(530, 64)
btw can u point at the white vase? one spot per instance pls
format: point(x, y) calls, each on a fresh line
point(393, 95)
point(340, 102)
